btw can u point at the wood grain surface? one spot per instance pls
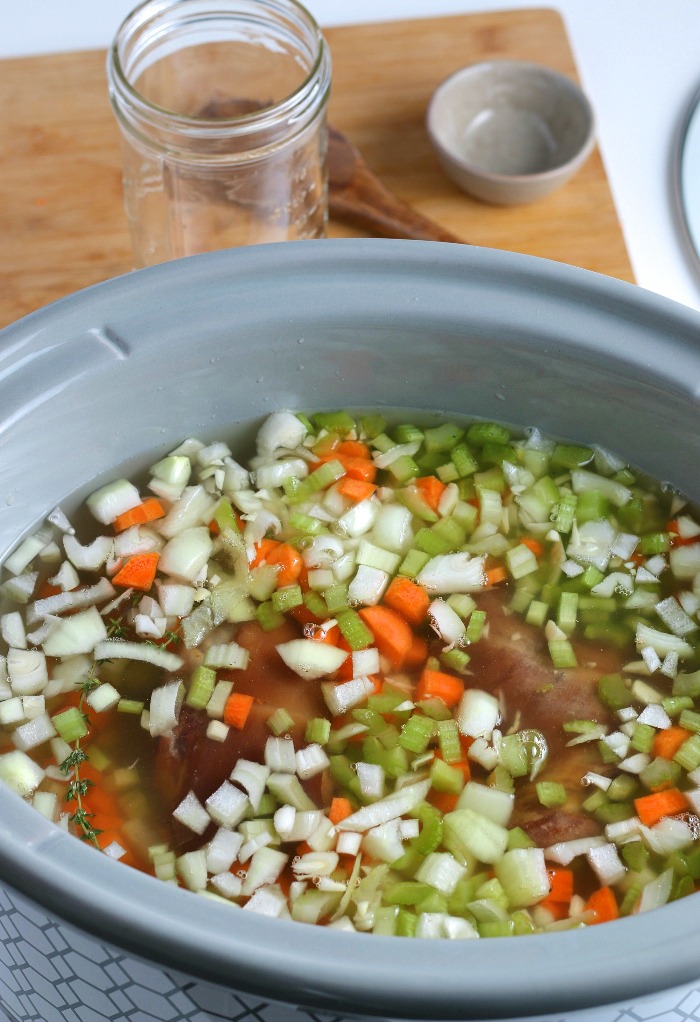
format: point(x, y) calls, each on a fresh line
point(61, 214)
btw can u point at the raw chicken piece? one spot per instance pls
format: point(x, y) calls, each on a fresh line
point(512, 661)
point(188, 760)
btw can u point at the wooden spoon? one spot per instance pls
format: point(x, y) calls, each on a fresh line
point(357, 196)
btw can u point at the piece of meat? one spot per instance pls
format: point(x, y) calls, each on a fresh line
point(557, 825)
point(189, 760)
point(512, 661)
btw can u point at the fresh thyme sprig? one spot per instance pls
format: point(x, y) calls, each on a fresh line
point(78, 786)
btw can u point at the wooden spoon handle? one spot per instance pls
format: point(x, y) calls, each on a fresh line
point(357, 196)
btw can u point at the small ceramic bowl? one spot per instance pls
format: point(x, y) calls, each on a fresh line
point(509, 132)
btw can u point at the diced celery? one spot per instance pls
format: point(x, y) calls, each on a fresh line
point(354, 630)
point(480, 433)
point(642, 739)
point(431, 543)
point(613, 691)
point(286, 598)
point(404, 468)
point(566, 456)
point(445, 777)
point(690, 720)
point(523, 875)
point(592, 506)
point(635, 856)
point(463, 460)
point(407, 433)
point(407, 892)
point(201, 687)
point(688, 756)
point(562, 653)
point(566, 612)
point(564, 514)
point(469, 835)
point(413, 563)
point(336, 597)
point(70, 724)
point(455, 659)
point(431, 829)
point(318, 730)
point(280, 722)
point(448, 737)
point(521, 560)
point(537, 613)
point(306, 524)
point(550, 793)
point(622, 788)
point(406, 923)
point(416, 733)
point(268, 618)
point(443, 437)
point(475, 625)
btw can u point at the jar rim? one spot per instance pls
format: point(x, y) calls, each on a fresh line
point(309, 92)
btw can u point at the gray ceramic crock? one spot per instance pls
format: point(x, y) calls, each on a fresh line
point(122, 371)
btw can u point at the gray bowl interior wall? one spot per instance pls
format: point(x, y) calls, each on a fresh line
point(118, 374)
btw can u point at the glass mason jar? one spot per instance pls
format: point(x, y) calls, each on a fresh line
point(221, 106)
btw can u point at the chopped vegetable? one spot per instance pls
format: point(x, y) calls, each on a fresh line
point(419, 656)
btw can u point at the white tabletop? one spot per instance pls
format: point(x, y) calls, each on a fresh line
point(638, 61)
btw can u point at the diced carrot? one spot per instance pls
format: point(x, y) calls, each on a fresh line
point(533, 544)
point(354, 449)
point(355, 489)
point(363, 469)
point(359, 468)
point(147, 511)
point(431, 489)
point(417, 654)
point(561, 884)
point(237, 709)
point(262, 549)
point(408, 598)
point(439, 685)
point(340, 809)
point(329, 636)
point(496, 575)
point(392, 633)
point(604, 905)
point(138, 572)
point(668, 741)
point(271, 551)
point(652, 808)
point(445, 801)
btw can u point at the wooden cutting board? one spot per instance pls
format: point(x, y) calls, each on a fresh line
point(61, 214)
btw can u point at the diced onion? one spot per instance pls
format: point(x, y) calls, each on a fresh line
point(446, 622)
point(478, 713)
point(186, 554)
point(82, 632)
point(112, 500)
point(453, 573)
point(164, 709)
point(119, 649)
point(310, 659)
point(397, 804)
